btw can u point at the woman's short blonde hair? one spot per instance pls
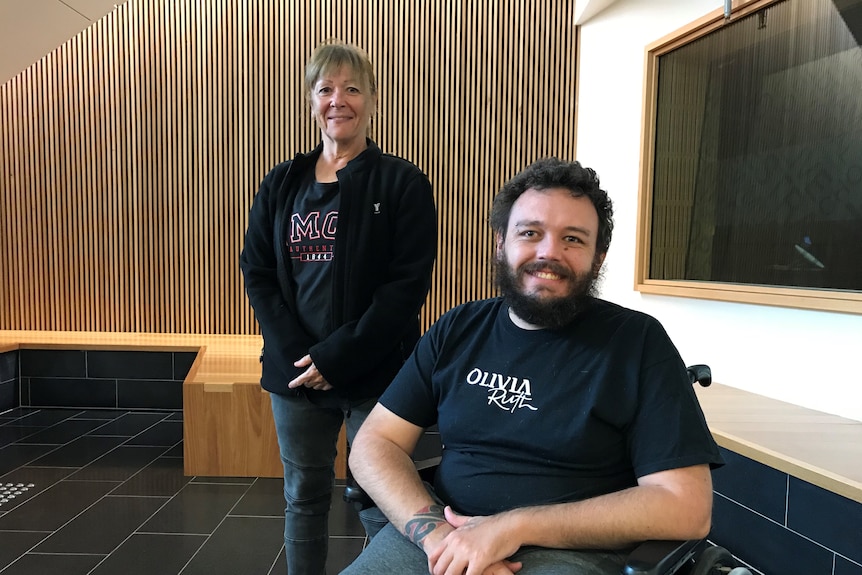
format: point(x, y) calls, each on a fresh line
point(331, 56)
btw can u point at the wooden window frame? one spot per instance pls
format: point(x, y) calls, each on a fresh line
point(802, 298)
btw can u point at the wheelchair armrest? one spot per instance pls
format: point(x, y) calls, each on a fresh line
point(355, 495)
point(699, 373)
point(427, 468)
point(660, 557)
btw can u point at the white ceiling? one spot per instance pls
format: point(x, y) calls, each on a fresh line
point(31, 29)
point(586, 9)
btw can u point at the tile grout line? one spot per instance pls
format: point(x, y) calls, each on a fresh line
point(220, 523)
point(137, 529)
point(780, 525)
point(247, 486)
point(21, 467)
point(120, 483)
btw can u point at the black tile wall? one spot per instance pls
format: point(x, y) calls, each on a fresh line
point(72, 392)
point(9, 381)
point(767, 495)
point(53, 363)
point(149, 394)
point(9, 395)
point(845, 567)
point(764, 544)
point(130, 364)
point(782, 525)
point(98, 379)
point(183, 361)
point(24, 391)
point(8, 365)
point(814, 513)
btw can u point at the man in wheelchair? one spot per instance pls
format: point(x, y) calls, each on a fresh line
point(569, 425)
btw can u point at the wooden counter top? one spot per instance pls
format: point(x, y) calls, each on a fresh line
point(822, 449)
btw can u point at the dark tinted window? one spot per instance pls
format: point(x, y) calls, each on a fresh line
point(757, 175)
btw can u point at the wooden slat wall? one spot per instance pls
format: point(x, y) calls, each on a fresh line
point(131, 154)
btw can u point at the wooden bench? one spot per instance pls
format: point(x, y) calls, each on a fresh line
point(228, 429)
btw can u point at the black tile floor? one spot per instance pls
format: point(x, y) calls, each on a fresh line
point(103, 493)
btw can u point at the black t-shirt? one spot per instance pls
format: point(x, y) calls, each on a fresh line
point(311, 245)
point(547, 416)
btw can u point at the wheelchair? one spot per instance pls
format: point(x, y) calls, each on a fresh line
point(693, 557)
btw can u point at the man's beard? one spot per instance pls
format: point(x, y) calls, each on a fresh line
point(548, 312)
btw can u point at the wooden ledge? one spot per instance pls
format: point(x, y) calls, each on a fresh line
point(822, 449)
point(225, 358)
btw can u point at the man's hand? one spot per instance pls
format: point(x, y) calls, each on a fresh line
point(476, 546)
point(311, 378)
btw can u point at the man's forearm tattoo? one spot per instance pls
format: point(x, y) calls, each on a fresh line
point(424, 522)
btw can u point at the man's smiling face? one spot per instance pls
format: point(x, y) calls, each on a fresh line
point(547, 262)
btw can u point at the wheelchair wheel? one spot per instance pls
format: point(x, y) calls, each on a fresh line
point(714, 561)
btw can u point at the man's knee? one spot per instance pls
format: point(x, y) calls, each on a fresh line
point(389, 552)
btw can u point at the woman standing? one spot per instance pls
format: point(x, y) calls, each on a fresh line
point(337, 263)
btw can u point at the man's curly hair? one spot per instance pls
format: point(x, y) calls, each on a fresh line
point(550, 173)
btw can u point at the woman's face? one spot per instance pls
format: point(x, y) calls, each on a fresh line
point(342, 106)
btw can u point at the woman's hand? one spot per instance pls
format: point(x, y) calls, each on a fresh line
point(311, 378)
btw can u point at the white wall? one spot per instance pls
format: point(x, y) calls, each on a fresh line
point(808, 358)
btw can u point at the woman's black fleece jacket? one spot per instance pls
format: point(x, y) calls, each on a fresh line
point(385, 246)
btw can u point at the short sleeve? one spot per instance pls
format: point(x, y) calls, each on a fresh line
point(669, 429)
point(411, 395)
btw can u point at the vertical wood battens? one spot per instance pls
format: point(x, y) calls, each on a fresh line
point(132, 153)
